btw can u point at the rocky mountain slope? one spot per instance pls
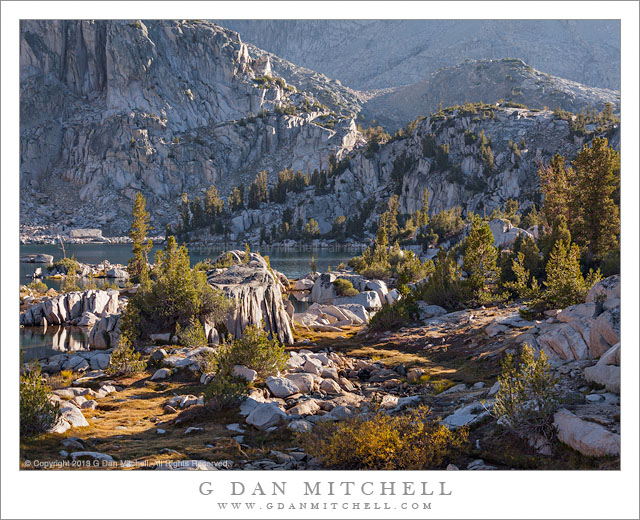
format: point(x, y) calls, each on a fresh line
point(476, 156)
point(112, 107)
point(488, 81)
point(366, 54)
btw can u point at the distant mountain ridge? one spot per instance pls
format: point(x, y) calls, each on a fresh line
point(488, 81)
point(373, 54)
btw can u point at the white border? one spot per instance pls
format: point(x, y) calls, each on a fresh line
point(476, 495)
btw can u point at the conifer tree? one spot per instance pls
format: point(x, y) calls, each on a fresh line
point(141, 245)
point(185, 212)
point(595, 215)
point(480, 257)
point(213, 204)
point(565, 284)
point(554, 185)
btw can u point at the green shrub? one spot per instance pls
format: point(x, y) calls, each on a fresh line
point(225, 391)
point(344, 287)
point(447, 223)
point(178, 295)
point(444, 287)
point(64, 265)
point(38, 287)
point(480, 259)
point(392, 317)
point(37, 413)
point(193, 335)
point(527, 397)
point(254, 350)
point(224, 261)
point(565, 284)
point(408, 441)
point(124, 360)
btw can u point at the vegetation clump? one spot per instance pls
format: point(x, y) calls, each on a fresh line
point(124, 360)
point(254, 350)
point(527, 398)
point(344, 287)
point(193, 335)
point(178, 295)
point(402, 442)
point(37, 413)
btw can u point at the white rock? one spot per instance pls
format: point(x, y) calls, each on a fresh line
point(281, 387)
point(329, 386)
point(91, 455)
point(313, 366)
point(266, 415)
point(306, 407)
point(303, 285)
point(305, 382)
point(467, 415)
point(461, 387)
point(300, 426)
point(245, 373)
point(323, 290)
point(370, 300)
point(589, 438)
point(605, 332)
point(605, 375)
point(606, 289)
point(162, 373)
point(430, 311)
point(611, 356)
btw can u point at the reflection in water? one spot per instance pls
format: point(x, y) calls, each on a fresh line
point(39, 342)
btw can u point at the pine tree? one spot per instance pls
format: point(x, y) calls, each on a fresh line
point(236, 198)
point(141, 245)
point(185, 212)
point(312, 228)
point(480, 257)
point(554, 185)
point(213, 204)
point(595, 215)
point(258, 191)
point(389, 219)
point(565, 284)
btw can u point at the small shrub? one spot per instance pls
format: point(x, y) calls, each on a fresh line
point(193, 335)
point(391, 317)
point(37, 413)
point(377, 270)
point(254, 350)
point(225, 391)
point(445, 286)
point(344, 287)
point(124, 360)
point(565, 284)
point(64, 265)
point(38, 287)
point(224, 261)
point(527, 398)
point(409, 441)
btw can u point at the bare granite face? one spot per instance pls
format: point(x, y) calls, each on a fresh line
point(374, 54)
point(257, 293)
point(109, 108)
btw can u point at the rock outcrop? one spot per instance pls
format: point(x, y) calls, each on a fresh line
point(68, 308)
point(257, 293)
point(109, 108)
point(353, 51)
point(489, 81)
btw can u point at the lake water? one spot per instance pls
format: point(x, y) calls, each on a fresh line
point(38, 343)
point(292, 262)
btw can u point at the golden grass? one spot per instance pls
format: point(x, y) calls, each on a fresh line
point(139, 409)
